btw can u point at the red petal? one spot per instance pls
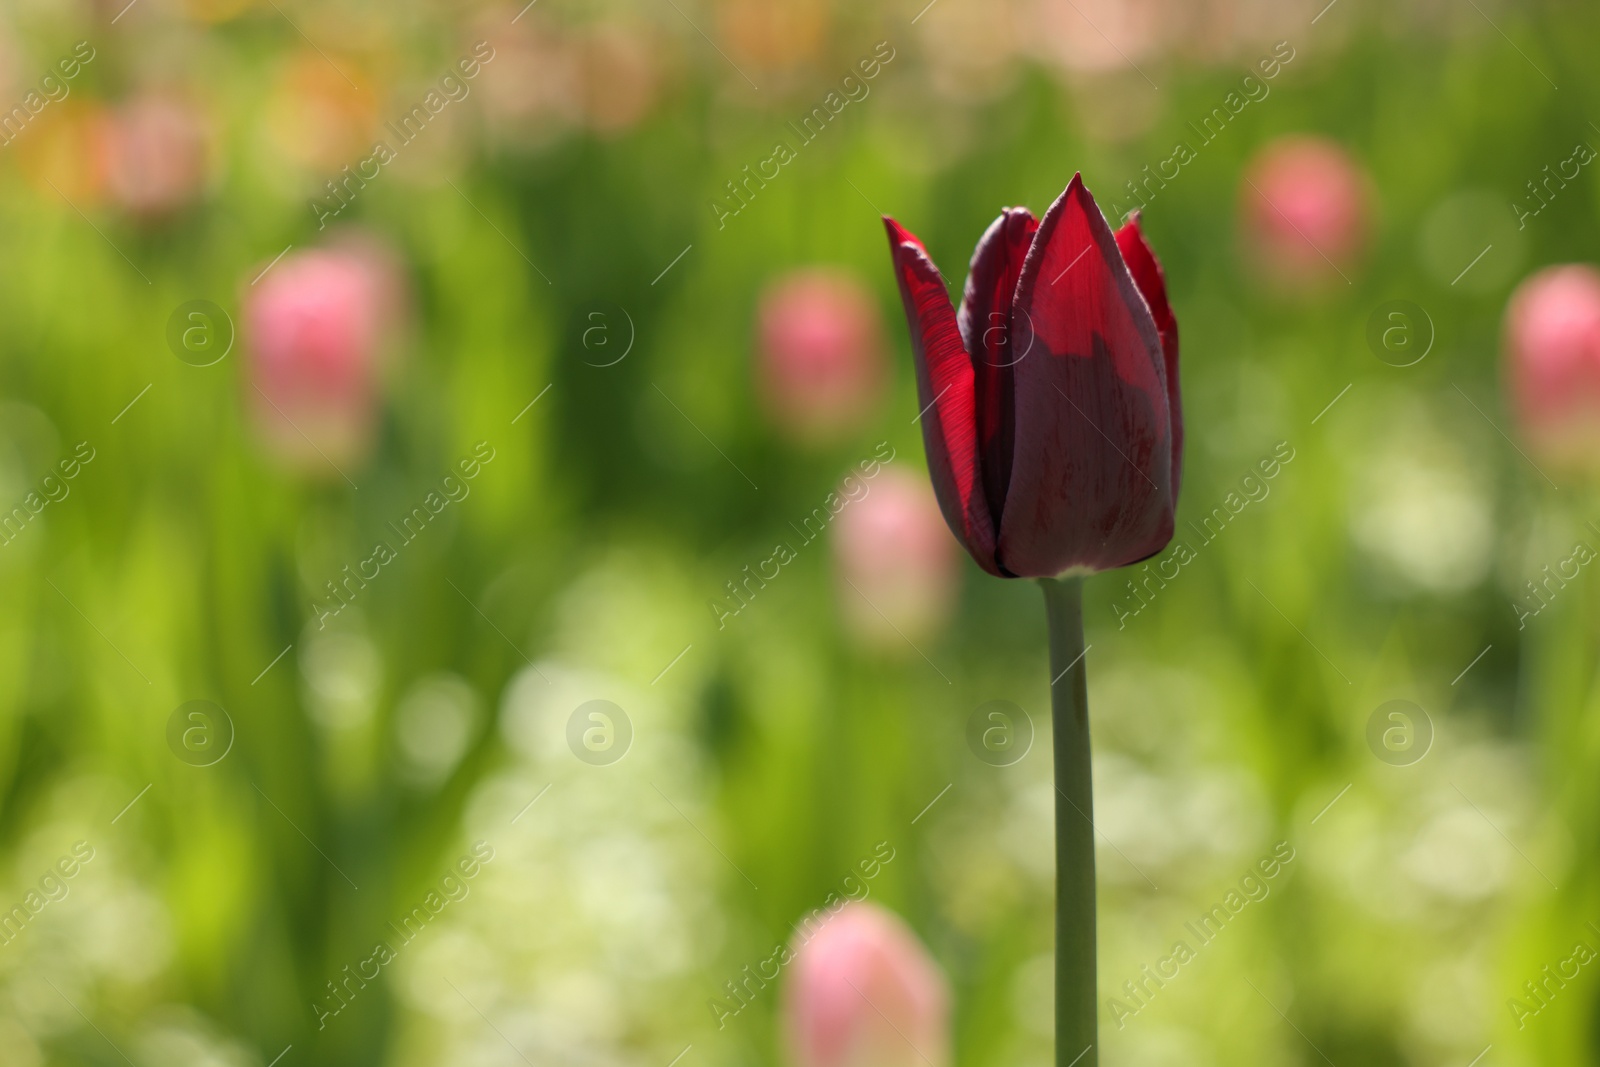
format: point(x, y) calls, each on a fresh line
point(1091, 478)
point(946, 392)
point(985, 320)
point(1150, 279)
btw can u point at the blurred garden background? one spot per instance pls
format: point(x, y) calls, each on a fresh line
point(381, 386)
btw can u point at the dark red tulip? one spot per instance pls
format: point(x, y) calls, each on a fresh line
point(1050, 401)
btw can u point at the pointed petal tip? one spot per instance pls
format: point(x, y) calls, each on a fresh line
point(1077, 190)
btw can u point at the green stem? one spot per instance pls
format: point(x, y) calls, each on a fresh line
point(1076, 1038)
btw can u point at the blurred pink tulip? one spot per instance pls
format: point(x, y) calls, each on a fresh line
point(822, 362)
point(1552, 352)
point(898, 566)
point(865, 993)
point(1128, 31)
point(313, 331)
point(1304, 208)
point(155, 154)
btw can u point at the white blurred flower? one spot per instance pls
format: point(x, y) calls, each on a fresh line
point(1422, 513)
point(342, 670)
point(434, 725)
point(1446, 1006)
point(121, 930)
point(181, 1037)
point(579, 939)
point(1210, 818)
point(1459, 854)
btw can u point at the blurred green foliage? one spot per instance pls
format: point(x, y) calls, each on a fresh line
point(778, 751)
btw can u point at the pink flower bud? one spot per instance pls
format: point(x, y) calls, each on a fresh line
point(155, 151)
point(821, 369)
point(1304, 211)
point(864, 992)
point(313, 330)
point(1552, 352)
point(897, 565)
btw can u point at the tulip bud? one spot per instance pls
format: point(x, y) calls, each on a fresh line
point(313, 330)
point(1050, 406)
point(821, 369)
point(1552, 352)
point(896, 563)
point(1304, 212)
point(864, 992)
point(618, 76)
point(155, 150)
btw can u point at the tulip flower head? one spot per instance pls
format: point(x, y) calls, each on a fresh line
point(1552, 350)
point(1304, 211)
point(863, 992)
point(1050, 400)
point(821, 363)
point(313, 330)
point(155, 147)
point(896, 565)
